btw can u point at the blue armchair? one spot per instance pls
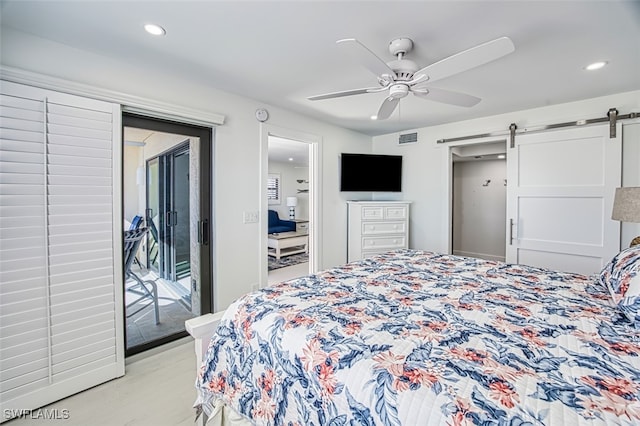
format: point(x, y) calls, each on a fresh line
point(278, 225)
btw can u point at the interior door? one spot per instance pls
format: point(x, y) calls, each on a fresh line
point(559, 198)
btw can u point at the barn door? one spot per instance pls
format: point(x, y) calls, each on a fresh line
point(559, 198)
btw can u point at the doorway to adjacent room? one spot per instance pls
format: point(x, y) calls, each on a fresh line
point(166, 203)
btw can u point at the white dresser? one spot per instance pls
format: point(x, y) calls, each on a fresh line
point(376, 227)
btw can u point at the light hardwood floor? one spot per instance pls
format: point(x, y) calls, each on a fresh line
point(157, 389)
point(289, 272)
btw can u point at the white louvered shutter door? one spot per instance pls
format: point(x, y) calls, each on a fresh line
point(61, 326)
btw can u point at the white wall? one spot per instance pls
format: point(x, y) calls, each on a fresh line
point(479, 208)
point(236, 151)
point(425, 180)
point(289, 175)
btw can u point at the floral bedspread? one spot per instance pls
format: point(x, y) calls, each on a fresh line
point(419, 338)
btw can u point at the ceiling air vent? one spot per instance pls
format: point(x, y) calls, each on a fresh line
point(408, 138)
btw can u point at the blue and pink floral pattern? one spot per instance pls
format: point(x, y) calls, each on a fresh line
point(417, 338)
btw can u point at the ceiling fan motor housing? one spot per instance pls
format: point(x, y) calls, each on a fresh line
point(398, 91)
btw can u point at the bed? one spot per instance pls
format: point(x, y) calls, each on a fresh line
point(420, 338)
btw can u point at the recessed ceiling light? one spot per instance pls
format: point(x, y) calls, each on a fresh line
point(595, 66)
point(501, 156)
point(374, 117)
point(290, 158)
point(154, 29)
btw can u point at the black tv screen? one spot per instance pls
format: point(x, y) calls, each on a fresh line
point(370, 172)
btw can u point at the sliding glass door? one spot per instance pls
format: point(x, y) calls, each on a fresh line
point(168, 213)
point(171, 280)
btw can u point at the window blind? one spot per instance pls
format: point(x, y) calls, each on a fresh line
point(273, 188)
point(61, 310)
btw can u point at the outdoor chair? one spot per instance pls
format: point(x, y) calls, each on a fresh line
point(144, 289)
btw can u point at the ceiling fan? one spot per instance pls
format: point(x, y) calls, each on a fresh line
point(401, 76)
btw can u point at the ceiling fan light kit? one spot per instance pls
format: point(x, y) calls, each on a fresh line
point(402, 76)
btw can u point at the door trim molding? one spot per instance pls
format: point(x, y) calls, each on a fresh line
point(315, 195)
point(447, 178)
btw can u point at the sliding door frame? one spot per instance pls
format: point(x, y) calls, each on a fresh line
point(205, 134)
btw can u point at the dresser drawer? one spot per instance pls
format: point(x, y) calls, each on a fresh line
point(377, 228)
point(383, 243)
point(369, 213)
point(395, 212)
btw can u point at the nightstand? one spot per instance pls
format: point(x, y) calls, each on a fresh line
point(302, 225)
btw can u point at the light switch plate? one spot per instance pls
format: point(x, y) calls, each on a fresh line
point(250, 217)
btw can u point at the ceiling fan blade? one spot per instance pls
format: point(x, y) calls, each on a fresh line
point(344, 93)
point(387, 107)
point(468, 59)
point(447, 97)
point(366, 57)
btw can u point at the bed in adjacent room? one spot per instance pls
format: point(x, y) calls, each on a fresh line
point(420, 338)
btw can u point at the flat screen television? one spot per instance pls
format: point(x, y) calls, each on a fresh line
point(370, 172)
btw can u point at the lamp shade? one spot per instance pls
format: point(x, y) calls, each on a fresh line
point(292, 201)
point(626, 204)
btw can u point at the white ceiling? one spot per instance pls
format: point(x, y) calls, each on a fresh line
point(288, 151)
point(279, 53)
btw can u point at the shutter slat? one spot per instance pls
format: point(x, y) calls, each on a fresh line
point(21, 200)
point(77, 151)
point(78, 122)
point(100, 220)
point(21, 135)
point(75, 229)
point(79, 257)
point(18, 296)
point(18, 102)
point(71, 326)
point(78, 132)
point(73, 286)
point(21, 146)
point(82, 348)
point(10, 189)
point(80, 190)
point(22, 284)
point(22, 270)
point(75, 199)
point(87, 267)
point(81, 332)
point(17, 361)
point(21, 243)
point(22, 124)
point(8, 373)
point(78, 276)
point(57, 109)
point(10, 175)
point(66, 160)
point(21, 232)
point(80, 142)
point(92, 234)
point(25, 379)
point(84, 312)
point(22, 317)
point(105, 360)
point(100, 181)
